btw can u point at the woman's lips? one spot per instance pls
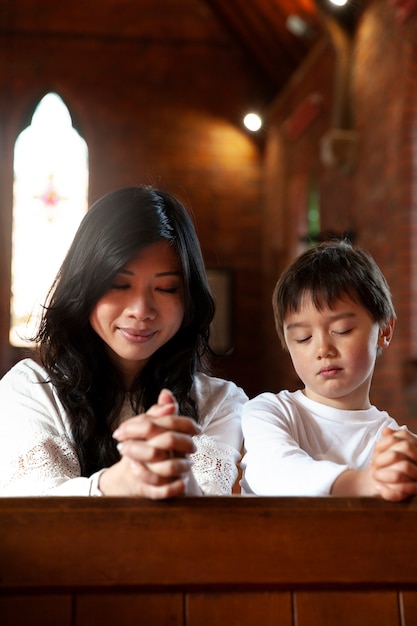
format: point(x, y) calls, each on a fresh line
point(137, 336)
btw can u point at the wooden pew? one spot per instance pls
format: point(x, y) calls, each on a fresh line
point(231, 561)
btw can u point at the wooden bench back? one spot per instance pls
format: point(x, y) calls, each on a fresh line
point(231, 561)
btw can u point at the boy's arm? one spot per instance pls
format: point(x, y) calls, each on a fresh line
point(355, 483)
point(274, 463)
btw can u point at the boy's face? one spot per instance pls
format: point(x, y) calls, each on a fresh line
point(333, 351)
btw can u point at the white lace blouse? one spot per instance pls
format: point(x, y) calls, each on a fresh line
point(37, 454)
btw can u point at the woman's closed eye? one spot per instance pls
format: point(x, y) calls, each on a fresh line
point(120, 286)
point(168, 289)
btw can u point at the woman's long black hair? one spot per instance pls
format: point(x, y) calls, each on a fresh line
point(112, 232)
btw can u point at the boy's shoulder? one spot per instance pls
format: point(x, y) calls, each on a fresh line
point(270, 398)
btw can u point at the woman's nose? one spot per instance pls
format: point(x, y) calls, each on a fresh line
point(141, 307)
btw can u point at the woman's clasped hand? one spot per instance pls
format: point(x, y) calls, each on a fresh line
point(155, 448)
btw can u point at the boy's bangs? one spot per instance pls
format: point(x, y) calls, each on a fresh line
point(323, 294)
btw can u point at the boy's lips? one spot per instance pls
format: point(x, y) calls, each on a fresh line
point(329, 371)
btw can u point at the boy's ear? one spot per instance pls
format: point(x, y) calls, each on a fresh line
point(385, 334)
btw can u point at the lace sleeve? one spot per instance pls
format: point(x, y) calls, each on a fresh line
point(50, 462)
point(37, 455)
point(214, 465)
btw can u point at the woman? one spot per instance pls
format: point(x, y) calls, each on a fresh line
point(119, 400)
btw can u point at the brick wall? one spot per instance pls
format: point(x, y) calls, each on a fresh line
point(165, 107)
point(376, 199)
point(159, 99)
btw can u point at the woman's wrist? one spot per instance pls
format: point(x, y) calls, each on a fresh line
point(95, 488)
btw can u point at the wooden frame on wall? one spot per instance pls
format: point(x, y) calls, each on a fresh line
point(221, 284)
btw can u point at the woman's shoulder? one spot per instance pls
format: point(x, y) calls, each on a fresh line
point(27, 369)
point(220, 403)
point(214, 387)
point(26, 379)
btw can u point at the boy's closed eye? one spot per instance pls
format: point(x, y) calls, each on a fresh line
point(303, 340)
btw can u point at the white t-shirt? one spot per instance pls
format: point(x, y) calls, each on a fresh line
point(37, 453)
point(295, 446)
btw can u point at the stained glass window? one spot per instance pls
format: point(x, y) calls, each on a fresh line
point(50, 199)
point(313, 213)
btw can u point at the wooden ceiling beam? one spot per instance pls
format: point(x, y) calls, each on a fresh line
point(260, 25)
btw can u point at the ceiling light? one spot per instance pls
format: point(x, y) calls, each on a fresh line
point(299, 27)
point(252, 121)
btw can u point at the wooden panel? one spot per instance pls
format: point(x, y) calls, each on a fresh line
point(289, 542)
point(239, 609)
point(258, 26)
point(243, 561)
point(261, 26)
point(408, 601)
point(128, 609)
point(35, 610)
point(347, 609)
point(166, 20)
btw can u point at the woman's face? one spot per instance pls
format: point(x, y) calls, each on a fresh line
point(142, 310)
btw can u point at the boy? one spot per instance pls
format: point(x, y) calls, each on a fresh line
point(334, 314)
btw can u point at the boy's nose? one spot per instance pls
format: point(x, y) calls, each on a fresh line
point(325, 349)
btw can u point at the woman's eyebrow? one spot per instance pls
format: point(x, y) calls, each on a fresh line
point(170, 273)
point(158, 275)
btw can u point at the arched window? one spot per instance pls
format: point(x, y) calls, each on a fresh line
point(50, 199)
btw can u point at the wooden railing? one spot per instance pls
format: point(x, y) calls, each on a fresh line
point(231, 561)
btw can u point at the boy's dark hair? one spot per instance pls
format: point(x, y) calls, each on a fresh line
point(327, 272)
